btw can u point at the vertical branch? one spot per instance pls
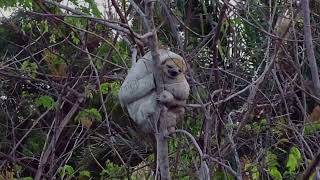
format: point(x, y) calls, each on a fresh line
point(46, 155)
point(309, 47)
point(209, 122)
point(116, 7)
point(233, 145)
point(172, 22)
point(308, 172)
point(162, 143)
point(160, 126)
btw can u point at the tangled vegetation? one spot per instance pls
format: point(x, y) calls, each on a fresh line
point(253, 112)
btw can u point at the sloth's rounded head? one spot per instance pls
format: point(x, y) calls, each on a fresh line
point(173, 68)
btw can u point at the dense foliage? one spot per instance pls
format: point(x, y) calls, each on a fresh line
point(254, 106)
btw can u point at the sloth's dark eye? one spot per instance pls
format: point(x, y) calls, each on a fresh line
point(180, 71)
point(170, 67)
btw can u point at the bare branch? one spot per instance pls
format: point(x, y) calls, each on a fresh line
point(309, 47)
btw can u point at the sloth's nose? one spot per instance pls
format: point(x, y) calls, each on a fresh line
point(173, 73)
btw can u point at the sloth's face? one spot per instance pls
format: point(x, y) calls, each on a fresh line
point(173, 68)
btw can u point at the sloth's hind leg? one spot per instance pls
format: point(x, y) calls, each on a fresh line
point(145, 114)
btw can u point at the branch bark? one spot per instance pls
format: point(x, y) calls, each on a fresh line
point(311, 167)
point(309, 47)
point(160, 126)
point(45, 156)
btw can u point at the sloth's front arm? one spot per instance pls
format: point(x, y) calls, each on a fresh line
point(138, 84)
point(133, 90)
point(167, 98)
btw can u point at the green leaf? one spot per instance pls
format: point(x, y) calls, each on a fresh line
point(52, 38)
point(74, 38)
point(311, 128)
point(92, 114)
point(34, 143)
point(45, 101)
point(293, 159)
point(85, 173)
point(30, 68)
point(122, 47)
point(26, 178)
point(93, 8)
point(66, 170)
point(5, 3)
point(275, 173)
point(113, 86)
point(75, 21)
point(272, 166)
point(255, 173)
point(253, 169)
point(18, 168)
point(44, 26)
point(272, 160)
point(112, 169)
point(104, 88)
point(25, 3)
point(219, 175)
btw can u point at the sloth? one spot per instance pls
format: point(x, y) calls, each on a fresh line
point(138, 91)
